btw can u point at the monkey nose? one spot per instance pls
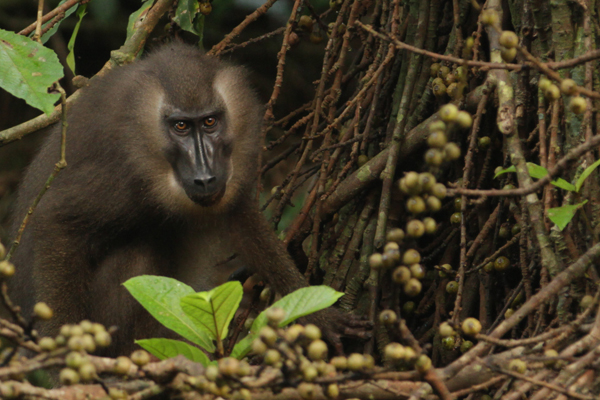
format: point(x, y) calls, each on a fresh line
point(206, 182)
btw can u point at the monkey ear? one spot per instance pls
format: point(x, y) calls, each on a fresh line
point(231, 83)
point(234, 75)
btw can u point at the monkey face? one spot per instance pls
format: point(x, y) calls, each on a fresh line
point(200, 152)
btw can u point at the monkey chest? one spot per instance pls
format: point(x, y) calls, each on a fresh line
point(206, 261)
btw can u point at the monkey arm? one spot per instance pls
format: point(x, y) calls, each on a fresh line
point(45, 273)
point(265, 254)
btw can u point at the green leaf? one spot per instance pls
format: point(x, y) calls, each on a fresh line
point(138, 17)
point(212, 311)
point(169, 348)
point(512, 168)
point(71, 56)
point(54, 28)
point(27, 69)
point(299, 303)
point(243, 347)
point(561, 183)
point(538, 172)
point(185, 14)
point(161, 297)
point(585, 174)
point(199, 27)
point(561, 216)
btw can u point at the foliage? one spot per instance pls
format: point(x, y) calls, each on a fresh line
point(561, 216)
point(161, 296)
point(71, 44)
point(175, 305)
point(27, 69)
point(54, 26)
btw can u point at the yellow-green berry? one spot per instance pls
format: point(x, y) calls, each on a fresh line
point(568, 87)
point(501, 263)
point(518, 366)
point(509, 39)
point(489, 17)
point(394, 351)
point(411, 256)
point(68, 376)
point(471, 326)
point(465, 346)
point(122, 365)
point(413, 287)
point(423, 363)
point(452, 287)
point(317, 350)
point(578, 105)
point(448, 113)
point(446, 330)
point(395, 235)
point(312, 332)
point(388, 317)
point(42, 311)
point(552, 92)
point(401, 275)
point(464, 119)
point(140, 357)
point(508, 55)
point(47, 344)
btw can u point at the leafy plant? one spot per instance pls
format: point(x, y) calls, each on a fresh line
point(28, 69)
point(71, 46)
point(203, 318)
point(561, 216)
point(538, 172)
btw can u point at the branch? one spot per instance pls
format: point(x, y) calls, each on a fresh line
point(572, 155)
point(58, 10)
point(125, 54)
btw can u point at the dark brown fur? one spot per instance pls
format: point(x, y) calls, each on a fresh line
point(115, 211)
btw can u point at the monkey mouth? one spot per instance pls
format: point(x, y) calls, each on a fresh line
point(206, 200)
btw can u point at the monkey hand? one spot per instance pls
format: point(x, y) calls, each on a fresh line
point(334, 324)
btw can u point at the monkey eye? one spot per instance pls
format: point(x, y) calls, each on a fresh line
point(210, 122)
point(181, 127)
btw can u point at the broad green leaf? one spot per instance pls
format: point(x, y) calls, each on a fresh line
point(71, 56)
point(243, 347)
point(27, 69)
point(538, 172)
point(137, 17)
point(561, 183)
point(585, 174)
point(512, 168)
point(212, 311)
point(169, 348)
point(561, 216)
point(304, 301)
point(161, 297)
point(297, 304)
point(54, 28)
point(185, 14)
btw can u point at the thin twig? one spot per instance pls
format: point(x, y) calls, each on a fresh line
point(60, 9)
point(219, 47)
point(572, 155)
